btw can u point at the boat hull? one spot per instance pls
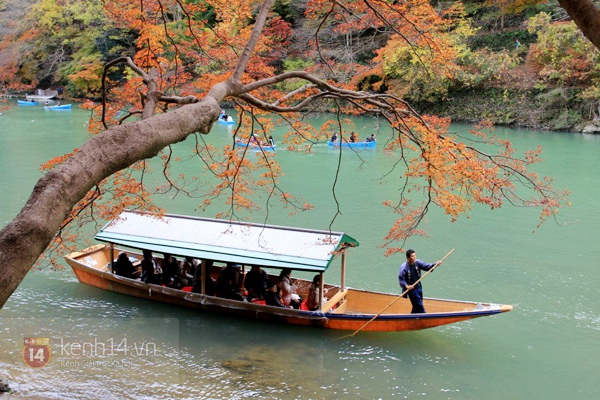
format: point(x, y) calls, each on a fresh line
point(27, 103)
point(61, 107)
point(228, 122)
point(347, 310)
point(40, 97)
point(255, 147)
point(367, 145)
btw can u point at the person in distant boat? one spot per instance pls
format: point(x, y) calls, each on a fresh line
point(58, 102)
point(256, 282)
point(272, 297)
point(123, 267)
point(271, 141)
point(352, 137)
point(288, 295)
point(254, 139)
point(150, 269)
point(371, 138)
point(333, 138)
point(409, 274)
point(47, 103)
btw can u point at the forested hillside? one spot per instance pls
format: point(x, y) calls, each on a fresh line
point(516, 62)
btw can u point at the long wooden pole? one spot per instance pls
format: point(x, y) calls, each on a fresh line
point(399, 297)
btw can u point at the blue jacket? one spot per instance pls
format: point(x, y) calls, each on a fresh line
point(409, 274)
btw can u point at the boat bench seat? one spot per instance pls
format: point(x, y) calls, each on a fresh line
point(334, 300)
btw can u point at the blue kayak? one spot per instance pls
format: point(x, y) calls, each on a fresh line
point(255, 147)
point(61, 107)
point(26, 103)
point(353, 144)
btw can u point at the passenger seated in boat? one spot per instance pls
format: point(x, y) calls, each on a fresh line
point(371, 138)
point(124, 267)
point(253, 139)
point(209, 288)
point(271, 141)
point(151, 272)
point(312, 301)
point(188, 271)
point(353, 137)
point(223, 115)
point(272, 297)
point(228, 283)
point(333, 138)
point(289, 297)
point(171, 273)
point(256, 283)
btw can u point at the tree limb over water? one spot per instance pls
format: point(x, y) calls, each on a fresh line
point(449, 169)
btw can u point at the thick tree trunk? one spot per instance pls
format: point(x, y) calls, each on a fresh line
point(586, 16)
point(27, 236)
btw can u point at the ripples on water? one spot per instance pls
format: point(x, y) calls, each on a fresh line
point(546, 348)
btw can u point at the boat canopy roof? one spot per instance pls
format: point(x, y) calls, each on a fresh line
point(227, 240)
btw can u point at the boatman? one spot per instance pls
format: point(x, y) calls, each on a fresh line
point(409, 273)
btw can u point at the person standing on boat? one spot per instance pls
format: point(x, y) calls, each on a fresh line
point(409, 274)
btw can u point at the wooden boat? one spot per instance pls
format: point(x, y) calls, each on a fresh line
point(272, 247)
point(27, 103)
point(42, 95)
point(255, 146)
point(58, 107)
point(370, 145)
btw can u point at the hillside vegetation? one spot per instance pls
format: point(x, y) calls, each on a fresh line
point(520, 62)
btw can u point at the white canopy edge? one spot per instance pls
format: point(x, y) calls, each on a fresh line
point(227, 240)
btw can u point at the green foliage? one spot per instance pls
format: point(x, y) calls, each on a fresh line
point(487, 67)
point(424, 72)
point(209, 16)
point(294, 64)
point(64, 45)
point(502, 40)
point(564, 54)
point(288, 10)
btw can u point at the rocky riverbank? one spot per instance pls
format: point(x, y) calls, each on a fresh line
point(557, 109)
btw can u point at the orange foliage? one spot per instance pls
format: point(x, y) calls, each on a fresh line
point(184, 55)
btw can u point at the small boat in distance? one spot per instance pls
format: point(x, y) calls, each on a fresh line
point(255, 146)
point(27, 102)
point(228, 121)
point(344, 144)
point(58, 107)
point(218, 243)
point(42, 95)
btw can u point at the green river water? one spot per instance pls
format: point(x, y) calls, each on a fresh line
point(548, 347)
